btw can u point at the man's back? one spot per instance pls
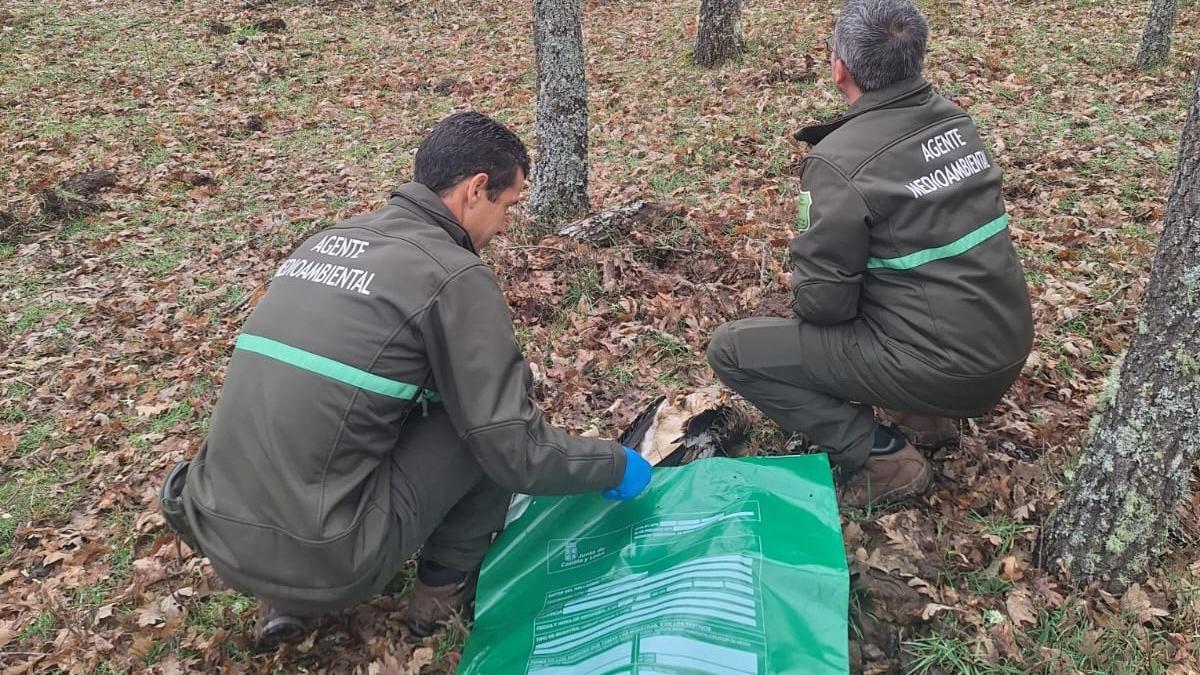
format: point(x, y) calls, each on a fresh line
point(328, 365)
point(921, 200)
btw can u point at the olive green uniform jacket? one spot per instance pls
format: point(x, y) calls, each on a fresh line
point(907, 291)
point(363, 324)
point(902, 224)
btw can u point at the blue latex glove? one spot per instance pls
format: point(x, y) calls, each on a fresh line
point(637, 477)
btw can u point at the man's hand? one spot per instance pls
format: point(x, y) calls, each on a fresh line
point(637, 477)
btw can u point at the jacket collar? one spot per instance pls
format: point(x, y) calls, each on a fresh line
point(872, 100)
point(427, 202)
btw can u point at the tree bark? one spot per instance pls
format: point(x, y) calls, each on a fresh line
point(1134, 472)
point(719, 36)
point(1156, 37)
point(560, 174)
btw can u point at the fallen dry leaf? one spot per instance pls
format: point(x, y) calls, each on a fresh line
point(150, 615)
point(932, 609)
point(1010, 569)
point(104, 612)
point(1020, 608)
point(1137, 603)
point(152, 409)
point(421, 657)
point(388, 665)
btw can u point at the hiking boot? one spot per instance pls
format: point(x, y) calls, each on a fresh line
point(894, 471)
point(273, 627)
point(923, 431)
point(438, 593)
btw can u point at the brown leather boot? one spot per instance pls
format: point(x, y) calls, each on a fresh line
point(924, 431)
point(430, 605)
point(886, 479)
point(272, 627)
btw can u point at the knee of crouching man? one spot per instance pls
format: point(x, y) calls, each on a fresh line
point(722, 356)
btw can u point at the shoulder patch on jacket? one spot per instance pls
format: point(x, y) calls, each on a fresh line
point(803, 222)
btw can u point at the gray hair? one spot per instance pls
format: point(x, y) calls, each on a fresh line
point(881, 41)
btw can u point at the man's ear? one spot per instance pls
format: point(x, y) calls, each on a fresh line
point(477, 187)
point(840, 72)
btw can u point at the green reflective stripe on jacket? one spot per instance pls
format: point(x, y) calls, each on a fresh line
point(958, 247)
point(315, 363)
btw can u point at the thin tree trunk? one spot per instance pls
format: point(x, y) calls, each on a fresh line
point(719, 36)
point(1156, 37)
point(560, 174)
point(1135, 470)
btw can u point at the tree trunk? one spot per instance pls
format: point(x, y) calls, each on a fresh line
point(719, 36)
point(1156, 37)
point(560, 174)
point(1135, 469)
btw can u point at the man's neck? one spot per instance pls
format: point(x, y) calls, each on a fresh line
point(851, 93)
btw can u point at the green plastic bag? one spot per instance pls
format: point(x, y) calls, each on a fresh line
point(731, 566)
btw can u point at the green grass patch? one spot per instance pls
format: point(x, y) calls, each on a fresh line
point(673, 378)
point(220, 611)
point(30, 317)
point(164, 421)
point(620, 373)
point(108, 669)
point(13, 410)
point(1120, 645)
point(122, 549)
point(587, 287)
point(1001, 529)
point(155, 156)
point(36, 436)
point(940, 653)
point(41, 628)
point(158, 649)
point(1065, 640)
point(227, 610)
point(983, 582)
point(666, 182)
point(91, 596)
point(450, 640)
point(34, 495)
point(665, 346)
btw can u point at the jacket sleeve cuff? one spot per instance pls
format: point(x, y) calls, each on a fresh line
point(824, 303)
point(619, 462)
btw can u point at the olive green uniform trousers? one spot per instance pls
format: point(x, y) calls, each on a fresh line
point(822, 380)
point(441, 497)
point(442, 504)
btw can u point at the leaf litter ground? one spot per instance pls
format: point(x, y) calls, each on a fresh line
point(233, 130)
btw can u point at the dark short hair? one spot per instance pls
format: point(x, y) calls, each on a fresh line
point(881, 41)
point(469, 143)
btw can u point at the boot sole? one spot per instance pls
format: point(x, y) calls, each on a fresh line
point(419, 629)
point(935, 444)
point(279, 630)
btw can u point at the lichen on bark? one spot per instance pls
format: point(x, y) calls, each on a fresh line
point(718, 32)
point(1120, 503)
point(1156, 36)
point(560, 173)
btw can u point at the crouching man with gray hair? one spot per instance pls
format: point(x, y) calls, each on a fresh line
point(906, 288)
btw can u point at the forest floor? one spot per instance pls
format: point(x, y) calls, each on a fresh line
point(234, 129)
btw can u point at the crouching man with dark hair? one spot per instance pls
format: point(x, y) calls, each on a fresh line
point(377, 403)
point(907, 291)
